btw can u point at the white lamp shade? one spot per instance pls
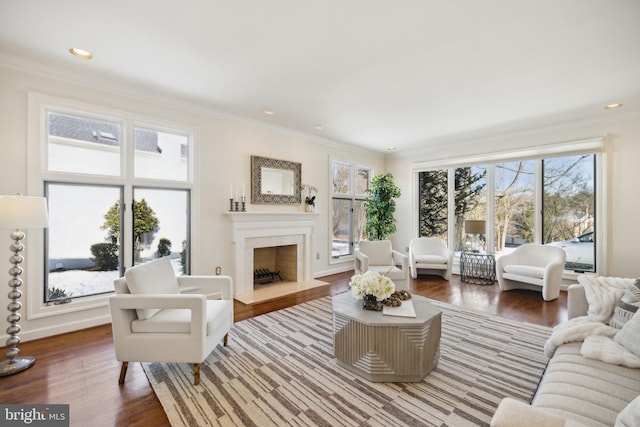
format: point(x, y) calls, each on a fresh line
point(474, 226)
point(20, 212)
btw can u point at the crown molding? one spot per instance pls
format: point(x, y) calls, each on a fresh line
point(58, 73)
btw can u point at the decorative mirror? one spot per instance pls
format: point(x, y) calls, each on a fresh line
point(275, 182)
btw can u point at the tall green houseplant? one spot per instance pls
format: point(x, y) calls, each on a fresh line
point(380, 207)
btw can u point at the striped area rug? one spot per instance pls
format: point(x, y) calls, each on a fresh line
point(279, 370)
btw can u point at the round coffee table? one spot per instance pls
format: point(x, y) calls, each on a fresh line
point(384, 348)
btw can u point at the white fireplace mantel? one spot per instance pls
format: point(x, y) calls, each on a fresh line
point(253, 230)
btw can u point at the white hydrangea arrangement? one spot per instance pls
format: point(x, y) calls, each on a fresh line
point(371, 283)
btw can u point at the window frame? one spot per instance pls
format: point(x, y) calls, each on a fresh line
point(595, 146)
point(352, 196)
point(39, 105)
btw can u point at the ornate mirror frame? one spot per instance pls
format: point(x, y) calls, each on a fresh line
point(258, 197)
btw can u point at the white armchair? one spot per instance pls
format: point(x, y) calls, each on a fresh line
point(158, 317)
point(532, 266)
point(378, 255)
point(431, 254)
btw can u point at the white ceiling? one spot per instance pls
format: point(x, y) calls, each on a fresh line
point(374, 73)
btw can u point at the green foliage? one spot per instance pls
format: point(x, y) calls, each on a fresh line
point(56, 293)
point(164, 247)
point(433, 203)
point(183, 257)
point(145, 223)
point(434, 200)
point(105, 256)
point(380, 207)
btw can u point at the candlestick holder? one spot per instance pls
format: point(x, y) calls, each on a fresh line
point(231, 205)
point(244, 203)
point(237, 205)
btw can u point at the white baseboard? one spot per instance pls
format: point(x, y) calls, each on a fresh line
point(34, 334)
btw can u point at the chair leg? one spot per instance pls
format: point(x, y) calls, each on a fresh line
point(225, 340)
point(196, 374)
point(123, 372)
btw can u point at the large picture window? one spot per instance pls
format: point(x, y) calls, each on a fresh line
point(503, 199)
point(349, 186)
point(113, 201)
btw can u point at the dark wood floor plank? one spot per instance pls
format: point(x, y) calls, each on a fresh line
point(80, 368)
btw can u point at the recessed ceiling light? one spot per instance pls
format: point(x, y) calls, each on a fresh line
point(391, 148)
point(319, 127)
point(612, 106)
point(269, 112)
point(80, 53)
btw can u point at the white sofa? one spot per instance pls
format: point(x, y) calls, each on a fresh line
point(532, 266)
point(575, 390)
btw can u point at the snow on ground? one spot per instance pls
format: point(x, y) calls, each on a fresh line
point(82, 282)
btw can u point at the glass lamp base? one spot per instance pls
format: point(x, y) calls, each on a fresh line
point(10, 367)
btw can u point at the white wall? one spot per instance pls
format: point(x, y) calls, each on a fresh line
point(622, 186)
point(223, 150)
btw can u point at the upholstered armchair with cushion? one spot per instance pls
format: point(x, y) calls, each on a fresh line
point(158, 317)
point(430, 254)
point(532, 266)
point(378, 255)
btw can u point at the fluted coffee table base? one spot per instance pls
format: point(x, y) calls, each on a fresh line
point(386, 348)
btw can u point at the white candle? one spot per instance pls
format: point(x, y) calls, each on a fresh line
point(231, 191)
point(243, 193)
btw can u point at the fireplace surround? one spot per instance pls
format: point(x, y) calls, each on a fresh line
point(252, 230)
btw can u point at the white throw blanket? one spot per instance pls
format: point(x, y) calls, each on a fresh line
point(602, 295)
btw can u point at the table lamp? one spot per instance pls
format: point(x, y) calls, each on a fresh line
point(474, 227)
point(18, 212)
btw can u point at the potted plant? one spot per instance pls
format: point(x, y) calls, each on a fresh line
point(380, 207)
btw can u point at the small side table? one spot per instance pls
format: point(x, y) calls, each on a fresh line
point(478, 269)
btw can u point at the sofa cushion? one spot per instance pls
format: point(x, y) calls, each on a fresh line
point(525, 270)
point(630, 415)
point(585, 390)
point(629, 335)
point(178, 320)
point(154, 277)
point(430, 259)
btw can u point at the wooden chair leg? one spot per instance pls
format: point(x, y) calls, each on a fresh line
point(196, 374)
point(123, 372)
point(225, 340)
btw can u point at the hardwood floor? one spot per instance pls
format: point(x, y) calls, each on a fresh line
point(80, 369)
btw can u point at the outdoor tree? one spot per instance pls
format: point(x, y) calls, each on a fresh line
point(164, 247)
point(468, 186)
point(380, 207)
point(433, 204)
point(513, 207)
point(145, 224)
point(434, 200)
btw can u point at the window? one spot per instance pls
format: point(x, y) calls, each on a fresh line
point(349, 186)
point(113, 201)
point(561, 188)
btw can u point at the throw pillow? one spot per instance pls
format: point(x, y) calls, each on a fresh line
point(153, 277)
point(630, 415)
point(629, 335)
point(627, 306)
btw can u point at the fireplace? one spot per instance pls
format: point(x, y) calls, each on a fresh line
point(254, 231)
point(275, 263)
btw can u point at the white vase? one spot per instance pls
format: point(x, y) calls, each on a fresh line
point(309, 208)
